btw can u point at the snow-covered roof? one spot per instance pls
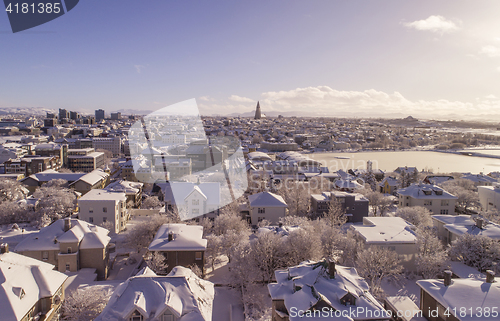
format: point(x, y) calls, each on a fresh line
point(304, 285)
point(51, 174)
point(280, 230)
point(462, 224)
point(479, 178)
point(103, 195)
point(24, 281)
point(46, 146)
point(259, 156)
point(126, 187)
point(470, 293)
point(404, 304)
point(464, 271)
point(425, 191)
point(186, 238)
point(266, 199)
point(93, 177)
point(377, 230)
point(184, 294)
point(390, 180)
point(90, 237)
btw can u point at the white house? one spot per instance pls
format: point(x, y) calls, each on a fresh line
point(193, 200)
point(392, 233)
point(451, 227)
point(489, 197)
point(432, 197)
point(100, 206)
point(300, 292)
point(29, 287)
point(267, 206)
point(179, 296)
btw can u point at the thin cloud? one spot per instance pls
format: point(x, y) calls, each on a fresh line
point(138, 68)
point(206, 98)
point(490, 51)
point(241, 99)
point(437, 24)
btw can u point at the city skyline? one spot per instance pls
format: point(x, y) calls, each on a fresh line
point(360, 59)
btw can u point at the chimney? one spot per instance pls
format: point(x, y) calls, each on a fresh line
point(479, 223)
point(170, 236)
point(4, 248)
point(331, 268)
point(447, 277)
point(67, 224)
point(490, 276)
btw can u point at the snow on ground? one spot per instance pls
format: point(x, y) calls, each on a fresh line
point(258, 303)
point(406, 287)
point(227, 302)
point(220, 275)
point(15, 236)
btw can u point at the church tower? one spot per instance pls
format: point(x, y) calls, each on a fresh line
point(258, 114)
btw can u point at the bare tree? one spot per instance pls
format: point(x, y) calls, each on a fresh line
point(376, 263)
point(335, 215)
point(416, 215)
point(477, 251)
point(156, 261)
point(141, 235)
point(297, 196)
point(85, 304)
point(432, 257)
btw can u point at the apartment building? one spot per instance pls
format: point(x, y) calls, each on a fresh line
point(112, 144)
point(100, 206)
point(432, 197)
point(85, 160)
point(355, 205)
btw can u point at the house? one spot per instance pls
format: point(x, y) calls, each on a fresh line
point(101, 206)
point(469, 299)
point(193, 200)
point(266, 206)
point(392, 233)
point(29, 289)
point(132, 190)
point(34, 181)
point(354, 204)
point(432, 197)
point(480, 179)
point(70, 245)
point(97, 179)
point(406, 170)
point(181, 244)
point(305, 291)
point(388, 185)
point(489, 197)
point(451, 227)
point(179, 296)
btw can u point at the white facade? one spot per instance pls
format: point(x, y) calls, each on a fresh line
point(432, 197)
point(100, 206)
point(489, 197)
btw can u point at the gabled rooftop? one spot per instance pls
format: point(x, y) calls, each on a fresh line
point(264, 199)
point(425, 191)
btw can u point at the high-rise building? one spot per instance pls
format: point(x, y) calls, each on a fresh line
point(89, 120)
point(74, 115)
point(116, 116)
point(100, 115)
point(258, 114)
point(63, 114)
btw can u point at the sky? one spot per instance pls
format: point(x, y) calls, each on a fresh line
point(428, 59)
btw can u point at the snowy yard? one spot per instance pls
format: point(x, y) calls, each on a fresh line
point(406, 287)
point(15, 236)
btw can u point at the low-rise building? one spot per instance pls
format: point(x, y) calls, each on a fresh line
point(97, 179)
point(311, 288)
point(355, 205)
point(388, 185)
point(451, 227)
point(470, 299)
point(193, 200)
point(392, 233)
point(179, 296)
point(432, 197)
point(70, 245)
point(101, 206)
point(29, 288)
point(489, 197)
point(181, 244)
point(132, 190)
point(266, 206)
point(85, 160)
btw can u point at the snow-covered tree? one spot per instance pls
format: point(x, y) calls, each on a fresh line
point(55, 201)
point(11, 190)
point(376, 263)
point(301, 245)
point(13, 212)
point(266, 255)
point(492, 215)
point(476, 251)
point(84, 304)
point(151, 202)
point(229, 220)
point(156, 261)
point(432, 258)
point(465, 190)
point(335, 214)
point(141, 235)
point(416, 215)
point(297, 196)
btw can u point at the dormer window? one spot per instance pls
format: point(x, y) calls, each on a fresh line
point(348, 299)
point(136, 316)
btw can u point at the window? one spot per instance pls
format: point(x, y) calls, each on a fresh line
point(91, 219)
point(445, 203)
point(136, 316)
point(427, 202)
point(91, 210)
point(195, 202)
point(69, 250)
point(104, 219)
point(167, 317)
point(104, 209)
point(197, 255)
point(45, 255)
point(444, 212)
point(407, 204)
point(68, 266)
point(261, 210)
